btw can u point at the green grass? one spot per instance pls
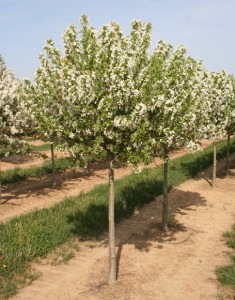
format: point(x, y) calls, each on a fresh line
point(24, 238)
point(43, 147)
point(6, 150)
point(27, 149)
point(18, 174)
point(30, 138)
point(226, 274)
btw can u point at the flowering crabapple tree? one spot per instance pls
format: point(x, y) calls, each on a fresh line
point(215, 109)
point(85, 97)
point(61, 91)
point(231, 123)
point(173, 86)
point(13, 113)
point(10, 121)
point(42, 119)
point(119, 76)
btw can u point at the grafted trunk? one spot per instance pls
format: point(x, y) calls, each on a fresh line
point(53, 166)
point(228, 152)
point(214, 164)
point(165, 197)
point(112, 250)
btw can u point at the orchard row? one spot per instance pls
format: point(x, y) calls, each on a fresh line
point(105, 93)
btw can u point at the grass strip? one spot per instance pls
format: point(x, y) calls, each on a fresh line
point(27, 149)
point(36, 234)
point(18, 174)
point(6, 150)
point(226, 274)
point(43, 147)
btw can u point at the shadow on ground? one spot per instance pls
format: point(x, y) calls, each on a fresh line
point(143, 228)
point(43, 185)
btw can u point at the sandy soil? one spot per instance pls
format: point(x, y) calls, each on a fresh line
point(176, 265)
point(38, 193)
point(152, 265)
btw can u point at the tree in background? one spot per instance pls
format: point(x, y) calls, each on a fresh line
point(14, 116)
point(215, 109)
point(170, 117)
point(10, 108)
point(231, 123)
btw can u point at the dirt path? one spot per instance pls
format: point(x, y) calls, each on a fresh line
point(36, 193)
point(177, 265)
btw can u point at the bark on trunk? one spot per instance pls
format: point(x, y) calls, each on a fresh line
point(214, 164)
point(165, 198)
point(0, 181)
point(228, 152)
point(112, 250)
point(53, 166)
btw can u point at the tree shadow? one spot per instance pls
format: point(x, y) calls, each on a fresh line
point(222, 167)
point(144, 229)
point(138, 216)
point(91, 220)
point(42, 185)
point(220, 170)
point(18, 159)
point(202, 165)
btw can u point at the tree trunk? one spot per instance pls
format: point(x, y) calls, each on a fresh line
point(228, 152)
point(214, 164)
point(112, 250)
point(165, 197)
point(53, 165)
point(0, 181)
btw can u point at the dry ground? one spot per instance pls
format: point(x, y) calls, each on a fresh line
point(152, 265)
point(35, 193)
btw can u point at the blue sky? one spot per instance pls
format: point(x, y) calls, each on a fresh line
point(205, 27)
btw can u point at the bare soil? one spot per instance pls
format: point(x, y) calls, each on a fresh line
point(37, 193)
point(152, 265)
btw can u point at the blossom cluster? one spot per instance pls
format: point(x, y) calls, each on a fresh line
point(104, 92)
point(10, 107)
